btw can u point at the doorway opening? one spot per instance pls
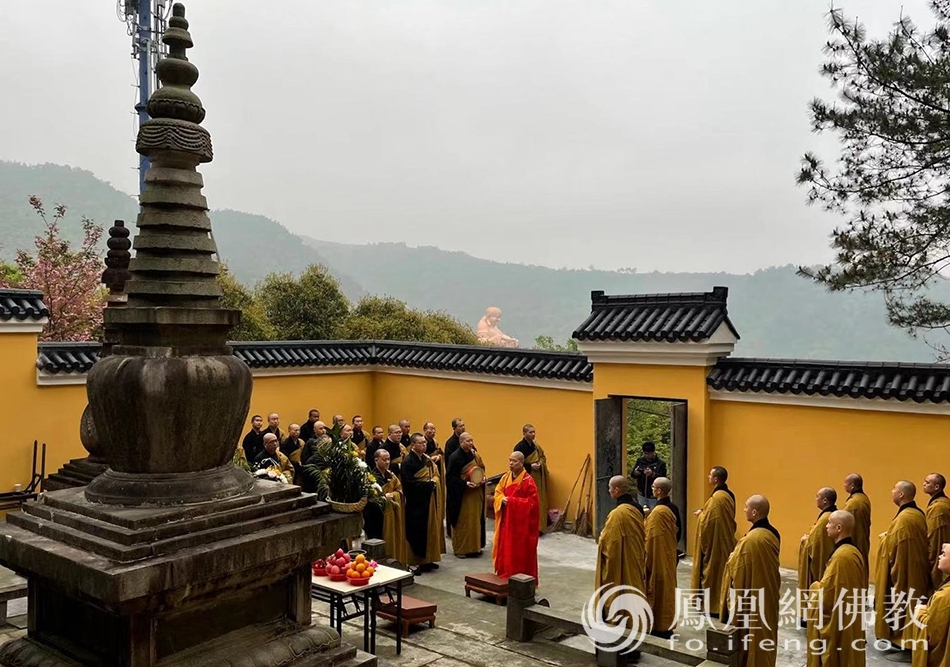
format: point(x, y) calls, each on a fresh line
point(622, 425)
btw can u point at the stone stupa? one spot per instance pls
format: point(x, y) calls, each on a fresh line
point(173, 556)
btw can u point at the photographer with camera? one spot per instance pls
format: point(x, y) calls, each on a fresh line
point(648, 468)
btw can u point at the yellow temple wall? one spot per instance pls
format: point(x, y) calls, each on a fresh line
point(47, 414)
point(788, 452)
point(494, 414)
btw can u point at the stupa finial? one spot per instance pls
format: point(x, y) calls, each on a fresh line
point(175, 98)
point(117, 259)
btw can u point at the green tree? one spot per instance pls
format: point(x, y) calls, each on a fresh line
point(547, 343)
point(892, 180)
point(648, 420)
point(255, 324)
point(385, 318)
point(311, 307)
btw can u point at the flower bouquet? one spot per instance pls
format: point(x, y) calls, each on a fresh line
point(342, 478)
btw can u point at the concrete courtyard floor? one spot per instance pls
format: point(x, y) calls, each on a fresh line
point(471, 631)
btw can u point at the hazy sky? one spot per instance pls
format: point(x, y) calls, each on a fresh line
point(655, 134)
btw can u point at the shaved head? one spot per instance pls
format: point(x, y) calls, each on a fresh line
point(756, 508)
point(840, 525)
point(519, 456)
point(853, 483)
point(907, 489)
point(620, 483)
point(663, 485)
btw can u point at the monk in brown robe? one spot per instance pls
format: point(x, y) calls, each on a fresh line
point(621, 559)
point(389, 522)
point(902, 576)
point(931, 630)
point(536, 463)
point(815, 547)
point(753, 569)
point(715, 538)
point(859, 505)
point(466, 501)
point(660, 575)
point(274, 461)
point(938, 521)
point(837, 639)
point(420, 485)
point(440, 461)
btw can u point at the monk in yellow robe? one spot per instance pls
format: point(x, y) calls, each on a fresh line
point(902, 576)
point(938, 521)
point(466, 501)
point(931, 631)
point(440, 461)
point(660, 574)
point(837, 638)
point(715, 538)
point(859, 505)
point(816, 546)
point(753, 570)
point(536, 463)
point(420, 485)
point(388, 523)
point(620, 552)
point(274, 461)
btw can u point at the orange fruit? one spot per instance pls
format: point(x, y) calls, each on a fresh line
point(361, 558)
point(364, 575)
point(369, 571)
point(351, 573)
point(360, 567)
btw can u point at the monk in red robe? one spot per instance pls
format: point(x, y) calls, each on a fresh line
point(517, 506)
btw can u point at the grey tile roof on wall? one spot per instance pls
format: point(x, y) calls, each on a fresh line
point(922, 383)
point(67, 357)
point(684, 317)
point(22, 304)
point(79, 357)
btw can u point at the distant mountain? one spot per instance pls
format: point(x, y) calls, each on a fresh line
point(777, 313)
point(251, 245)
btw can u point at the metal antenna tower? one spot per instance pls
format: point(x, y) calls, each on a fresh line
point(145, 21)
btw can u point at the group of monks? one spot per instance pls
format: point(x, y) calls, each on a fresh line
point(911, 601)
point(431, 493)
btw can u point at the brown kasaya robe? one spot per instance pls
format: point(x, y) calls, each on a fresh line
point(835, 635)
point(938, 533)
point(813, 554)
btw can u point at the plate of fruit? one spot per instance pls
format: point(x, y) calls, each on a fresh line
point(337, 565)
point(319, 568)
point(360, 571)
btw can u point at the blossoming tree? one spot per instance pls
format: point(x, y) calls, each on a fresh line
point(70, 278)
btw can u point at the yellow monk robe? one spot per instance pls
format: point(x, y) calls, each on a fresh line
point(836, 636)
point(715, 540)
point(468, 532)
point(394, 522)
point(534, 454)
point(902, 573)
point(931, 631)
point(621, 560)
point(813, 553)
point(752, 571)
point(860, 507)
point(938, 532)
point(660, 575)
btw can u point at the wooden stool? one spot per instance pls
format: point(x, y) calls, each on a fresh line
point(488, 584)
point(413, 612)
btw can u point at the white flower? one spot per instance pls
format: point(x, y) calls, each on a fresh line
point(378, 487)
point(362, 464)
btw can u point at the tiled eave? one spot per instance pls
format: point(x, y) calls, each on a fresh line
point(77, 358)
point(879, 381)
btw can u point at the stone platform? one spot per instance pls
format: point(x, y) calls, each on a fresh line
point(227, 577)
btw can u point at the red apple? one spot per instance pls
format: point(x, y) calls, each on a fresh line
point(339, 552)
point(346, 558)
point(335, 570)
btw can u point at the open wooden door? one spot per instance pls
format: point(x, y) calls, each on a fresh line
point(609, 453)
point(678, 462)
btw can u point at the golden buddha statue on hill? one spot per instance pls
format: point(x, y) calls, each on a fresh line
point(488, 332)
